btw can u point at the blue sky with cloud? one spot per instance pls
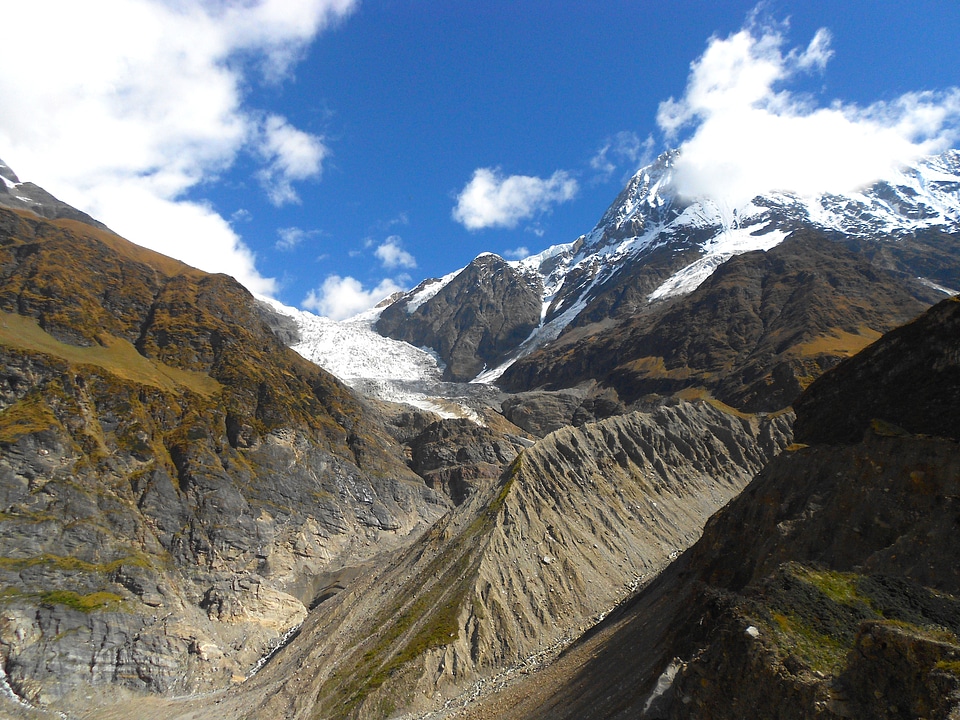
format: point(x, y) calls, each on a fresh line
point(330, 152)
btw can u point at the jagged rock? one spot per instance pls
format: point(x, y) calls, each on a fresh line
point(895, 671)
point(473, 322)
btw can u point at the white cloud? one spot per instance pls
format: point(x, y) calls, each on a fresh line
point(290, 238)
point(492, 200)
point(391, 255)
point(748, 134)
point(146, 97)
point(290, 155)
point(342, 297)
point(517, 253)
point(624, 148)
point(241, 216)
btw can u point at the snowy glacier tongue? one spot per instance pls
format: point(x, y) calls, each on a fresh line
point(375, 365)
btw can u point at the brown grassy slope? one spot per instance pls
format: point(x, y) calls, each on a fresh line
point(90, 288)
point(755, 333)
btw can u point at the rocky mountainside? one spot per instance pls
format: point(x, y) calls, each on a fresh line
point(473, 322)
point(516, 572)
point(18, 195)
point(845, 603)
point(173, 480)
point(653, 246)
point(753, 334)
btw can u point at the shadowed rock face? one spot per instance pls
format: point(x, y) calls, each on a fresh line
point(911, 381)
point(171, 476)
point(474, 322)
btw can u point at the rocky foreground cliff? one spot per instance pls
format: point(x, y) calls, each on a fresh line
point(828, 589)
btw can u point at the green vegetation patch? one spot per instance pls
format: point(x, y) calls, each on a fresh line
point(113, 354)
point(815, 614)
point(26, 417)
point(72, 564)
point(90, 602)
point(819, 651)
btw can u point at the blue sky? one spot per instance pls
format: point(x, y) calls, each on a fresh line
point(327, 152)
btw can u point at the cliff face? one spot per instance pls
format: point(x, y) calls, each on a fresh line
point(172, 478)
point(829, 588)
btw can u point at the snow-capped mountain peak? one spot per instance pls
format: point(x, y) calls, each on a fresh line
point(653, 244)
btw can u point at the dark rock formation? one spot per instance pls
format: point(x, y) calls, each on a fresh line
point(542, 412)
point(459, 457)
point(474, 322)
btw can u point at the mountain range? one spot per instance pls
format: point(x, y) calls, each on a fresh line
point(691, 464)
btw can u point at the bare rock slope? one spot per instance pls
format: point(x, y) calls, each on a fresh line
point(525, 565)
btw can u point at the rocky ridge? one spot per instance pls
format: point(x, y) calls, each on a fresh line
point(18, 195)
point(575, 523)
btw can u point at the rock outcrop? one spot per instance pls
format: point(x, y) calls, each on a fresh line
point(459, 457)
point(474, 322)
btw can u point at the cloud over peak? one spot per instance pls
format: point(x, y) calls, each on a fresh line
point(747, 133)
point(392, 255)
point(342, 297)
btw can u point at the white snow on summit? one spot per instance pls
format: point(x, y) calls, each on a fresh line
point(721, 248)
point(648, 216)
